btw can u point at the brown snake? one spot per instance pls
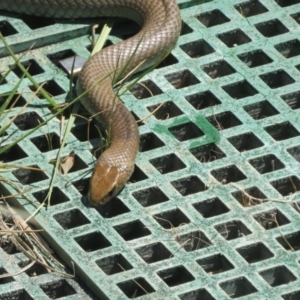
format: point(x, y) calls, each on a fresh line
point(160, 27)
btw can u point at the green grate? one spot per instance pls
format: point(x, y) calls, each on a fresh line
point(212, 209)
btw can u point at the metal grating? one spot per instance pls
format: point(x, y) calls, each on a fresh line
point(212, 210)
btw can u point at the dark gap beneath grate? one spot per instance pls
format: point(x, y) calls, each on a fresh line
point(234, 38)
point(277, 276)
point(113, 264)
point(2, 80)
point(176, 276)
point(203, 100)
point(232, 230)
point(240, 90)
point(197, 294)
point(132, 230)
point(292, 296)
point(168, 61)
point(57, 56)
point(153, 253)
point(290, 242)
point(185, 29)
point(136, 287)
point(193, 241)
point(296, 17)
point(92, 241)
point(137, 175)
point(88, 131)
point(288, 49)
point(113, 208)
point(58, 289)
point(224, 120)
point(271, 219)
point(277, 79)
point(197, 48)
point(5, 280)
point(47, 142)
point(171, 219)
point(51, 87)
point(16, 101)
point(215, 264)
point(212, 18)
point(228, 174)
point(238, 287)
point(189, 185)
point(294, 152)
point(292, 99)
point(37, 22)
point(57, 196)
point(150, 196)
point(245, 142)
point(267, 163)
point(165, 110)
point(285, 3)
point(182, 79)
point(16, 295)
point(271, 28)
point(26, 176)
point(82, 186)
point(28, 120)
point(211, 207)
point(287, 186)
point(218, 69)
point(138, 120)
point(150, 141)
point(12, 154)
point(250, 8)
point(71, 219)
point(261, 110)
point(187, 131)
point(7, 29)
point(282, 131)
point(247, 201)
point(255, 252)
point(32, 67)
point(35, 270)
point(76, 164)
point(207, 153)
point(255, 58)
point(167, 163)
point(145, 89)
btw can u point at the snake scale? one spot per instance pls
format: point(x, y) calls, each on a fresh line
point(160, 27)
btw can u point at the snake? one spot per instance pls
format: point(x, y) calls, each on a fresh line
point(160, 26)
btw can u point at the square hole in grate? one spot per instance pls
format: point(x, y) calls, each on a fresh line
point(140, 122)
point(2, 80)
point(145, 89)
point(271, 28)
point(92, 241)
point(218, 69)
point(168, 61)
point(185, 29)
point(291, 296)
point(250, 8)
point(245, 142)
point(113, 264)
point(171, 219)
point(51, 87)
point(113, 208)
point(240, 90)
point(137, 175)
point(228, 174)
point(16, 101)
point(187, 131)
point(16, 295)
point(32, 67)
point(277, 79)
point(182, 79)
point(215, 264)
point(261, 110)
point(277, 276)
point(294, 152)
point(289, 49)
point(254, 253)
point(46, 142)
point(234, 38)
point(150, 196)
point(58, 56)
point(296, 206)
point(149, 141)
point(71, 219)
point(37, 22)
point(255, 58)
point(12, 154)
point(71, 163)
point(165, 110)
point(6, 244)
point(238, 287)
point(203, 100)
point(35, 270)
point(132, 230)
point(224, 120)
point(250, 196)
point(29, 175)
point(271, 219)
point(267, 163)
point(290, 242)
point(136, 287)
point(167, 163)
point(153, 253)
point(212, 18)
point(292, 99)
point(232, 230)
point(193, 241)
point(287, 185)
point(197, 49)
point(207, 153)
point(27, 120)
point(211, 207)
point(296, 17)
point(82, 186)
point(176, 276)
point(285, 3)
point(57, 196)
point(87, 131)
point(7, 29)
point(282, 131)
point(189, 185)
point(58, 289)
point(197, 294)
point(5, 280)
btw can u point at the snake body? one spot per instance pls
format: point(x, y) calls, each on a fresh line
point(160, 27)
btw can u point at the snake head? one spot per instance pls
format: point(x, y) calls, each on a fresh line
point(103, 184)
